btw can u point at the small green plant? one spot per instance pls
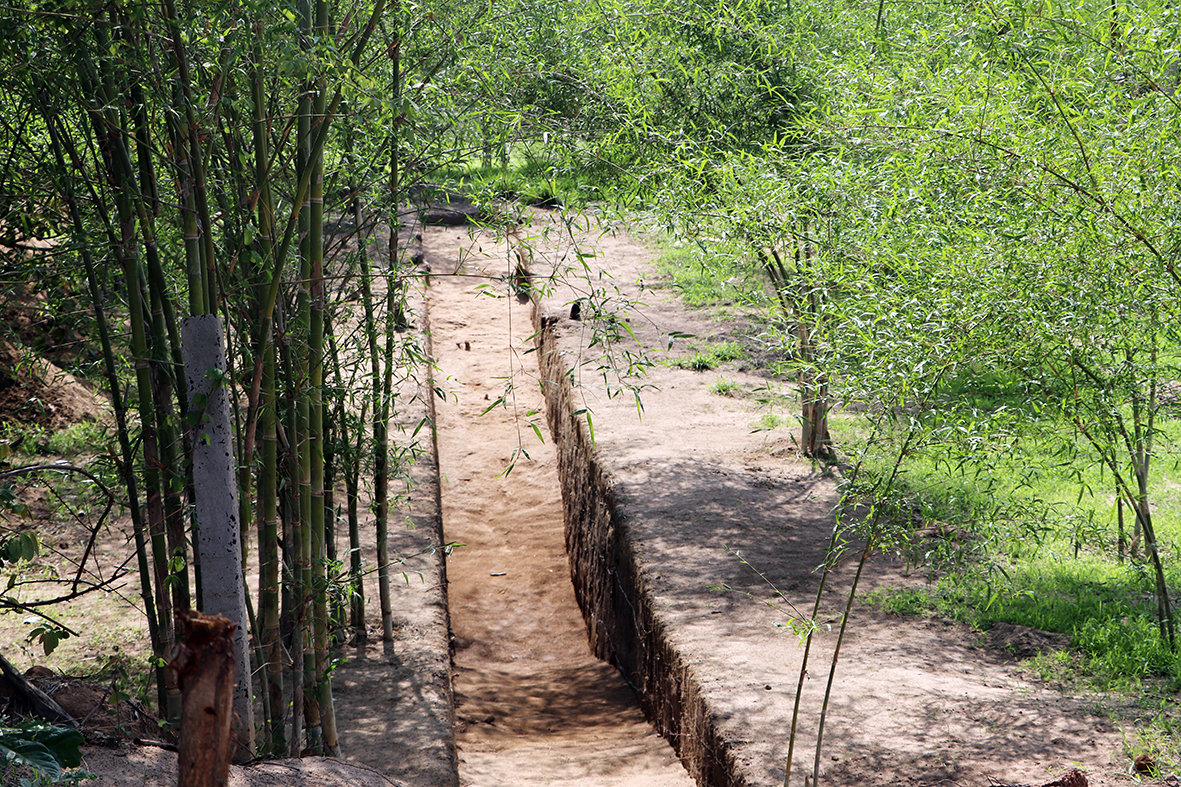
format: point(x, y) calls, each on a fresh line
point(47, 634)
point(768, 422)
point(45, 750)
point(17, 547)
point(724, 387)
point(710, 355)
point(131, 677)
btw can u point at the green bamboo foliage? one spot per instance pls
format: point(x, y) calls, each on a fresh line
point(395, 320)
point(197, 164)
point(102, 82)
point(59, 145)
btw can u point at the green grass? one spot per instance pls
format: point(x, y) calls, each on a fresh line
point(529, 178)
point(84, 437)
point(1113, 634)
point(725, 387)
point(1043, 547)
point(708, 280)
point(710, 355)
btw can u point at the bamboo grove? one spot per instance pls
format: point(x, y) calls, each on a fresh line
point(235, 159)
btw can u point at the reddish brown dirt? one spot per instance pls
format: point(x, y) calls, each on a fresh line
point(34, 391)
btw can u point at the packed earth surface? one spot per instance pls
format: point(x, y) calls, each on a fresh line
point(600, 574)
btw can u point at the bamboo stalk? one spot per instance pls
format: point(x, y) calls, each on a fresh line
point(317, 526)
point(126, 464)
point(395, 320)
point(265, 407)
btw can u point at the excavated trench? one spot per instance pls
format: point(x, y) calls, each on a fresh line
point(535, 702)
point(608, 583)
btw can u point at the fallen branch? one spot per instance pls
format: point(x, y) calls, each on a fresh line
point(40, 702)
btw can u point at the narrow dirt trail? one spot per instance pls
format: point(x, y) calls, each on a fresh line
point(535, 707)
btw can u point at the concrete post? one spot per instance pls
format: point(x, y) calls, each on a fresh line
point(218, 546)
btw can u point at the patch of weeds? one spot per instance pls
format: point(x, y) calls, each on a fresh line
point(1115, 642)
point(902, 601)
point(696, 363)
point(1125, 648)
point(711, 355)
point(130, 677)
point(1058, 667)
point(84, 437)
point(769, 422)
point(724, 387)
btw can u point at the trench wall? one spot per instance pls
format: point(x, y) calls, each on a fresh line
point(622, 621)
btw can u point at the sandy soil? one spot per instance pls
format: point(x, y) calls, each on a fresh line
point(534, 705)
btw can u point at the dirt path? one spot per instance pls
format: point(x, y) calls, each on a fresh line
point(534, 706)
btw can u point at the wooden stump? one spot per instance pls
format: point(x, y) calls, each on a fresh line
point(204, 666)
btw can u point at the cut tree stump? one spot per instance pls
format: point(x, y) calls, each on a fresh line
point(204, 666)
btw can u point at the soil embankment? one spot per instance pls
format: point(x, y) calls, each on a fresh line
point(694, 538)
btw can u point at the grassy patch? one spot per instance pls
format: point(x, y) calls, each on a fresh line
point(710, 355)
point(529, 178)
point(705, 280)
point(1114, 639)
point(1040, 545)
point(78, 439)
point(725, 387)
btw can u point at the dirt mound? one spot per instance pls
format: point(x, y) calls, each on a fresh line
point(104, 714)
point(1024, 642)
point(35, 391)
point(102, 711)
